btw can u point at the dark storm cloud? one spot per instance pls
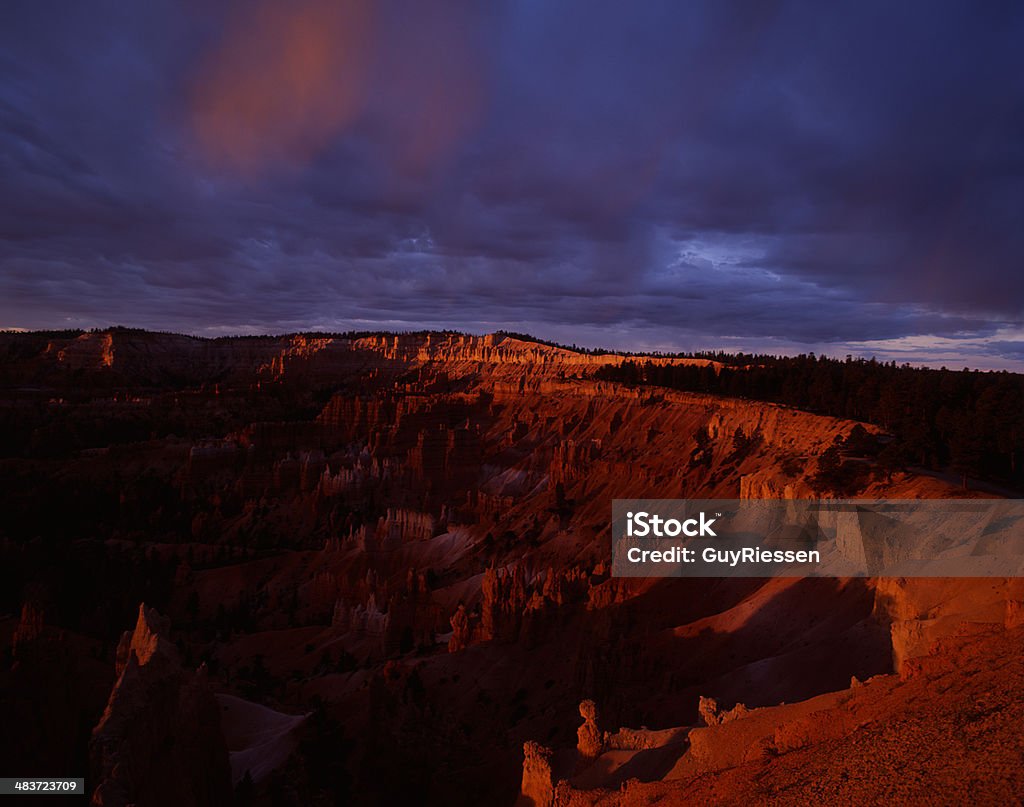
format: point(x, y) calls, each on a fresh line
point(787, 175)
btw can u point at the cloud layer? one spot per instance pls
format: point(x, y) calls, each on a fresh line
point(759, 176)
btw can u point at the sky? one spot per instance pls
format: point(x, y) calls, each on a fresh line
point(844, 178)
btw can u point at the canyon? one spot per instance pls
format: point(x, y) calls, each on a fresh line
point(374, 567)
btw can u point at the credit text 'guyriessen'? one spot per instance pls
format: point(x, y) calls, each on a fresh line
point(643, 524)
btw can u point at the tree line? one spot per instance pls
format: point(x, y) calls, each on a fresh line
point(969, 422)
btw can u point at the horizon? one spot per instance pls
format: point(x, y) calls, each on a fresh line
point(748, 177)
point(572, 347)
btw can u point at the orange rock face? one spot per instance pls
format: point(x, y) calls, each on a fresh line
point(589, 740)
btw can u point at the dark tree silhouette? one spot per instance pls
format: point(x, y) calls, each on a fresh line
point(966, 421)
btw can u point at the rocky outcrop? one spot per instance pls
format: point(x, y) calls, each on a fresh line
point(862, 745)
point(712, 715)
point(30, 627)
point(589, 740)
point(412, 617)
point(504, 598)
point(159, 741)
point(538, 786)
point(461, 630)
point(921, 611)
point(708, 711)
